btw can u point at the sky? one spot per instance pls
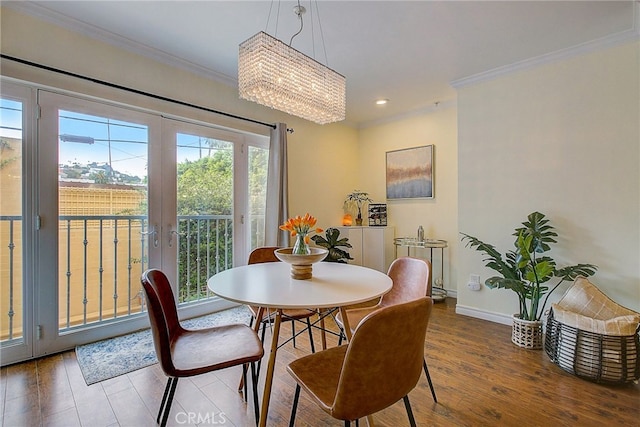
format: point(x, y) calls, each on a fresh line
point(121, 144)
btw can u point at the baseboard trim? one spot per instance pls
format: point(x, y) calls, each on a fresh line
point(484, 315)
point(452, 293)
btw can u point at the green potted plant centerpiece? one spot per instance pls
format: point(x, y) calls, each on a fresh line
point(527, 270)
point(334, 245)
point(356, 199)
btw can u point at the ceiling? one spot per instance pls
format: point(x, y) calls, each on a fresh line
point(409, 52)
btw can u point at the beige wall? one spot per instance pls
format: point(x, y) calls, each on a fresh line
point(562, 139)
point(438, 216)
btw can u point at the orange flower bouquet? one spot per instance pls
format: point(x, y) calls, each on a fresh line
point(301, 228)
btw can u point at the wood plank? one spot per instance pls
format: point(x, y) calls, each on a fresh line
point(92, 404)
point(54, 387)
point(66, 418)
point(22, 398)
point(130, 409)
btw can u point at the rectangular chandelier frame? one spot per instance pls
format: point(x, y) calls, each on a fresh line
point(276, 75)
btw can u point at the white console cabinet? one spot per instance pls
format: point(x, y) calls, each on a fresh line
point(372, 246)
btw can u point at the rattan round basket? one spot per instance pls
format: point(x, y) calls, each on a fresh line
point(527, 333)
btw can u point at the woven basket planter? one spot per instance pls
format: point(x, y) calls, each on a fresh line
point(595, 357)
point(527, 333)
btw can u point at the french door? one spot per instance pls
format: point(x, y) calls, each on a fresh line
point(217, 214)
point(117, 191)
point(16, 225)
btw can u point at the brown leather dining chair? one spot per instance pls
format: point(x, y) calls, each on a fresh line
point(266, 254)
point(185, 352)
point(364, 376)
point(411, 278)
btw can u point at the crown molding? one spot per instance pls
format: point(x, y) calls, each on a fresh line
point(47, 15)
point(630, 35)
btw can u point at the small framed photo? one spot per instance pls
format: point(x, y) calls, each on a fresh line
point(410, 173)
point(377, 214)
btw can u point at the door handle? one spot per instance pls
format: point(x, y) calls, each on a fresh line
point(153, 231)
point(172, 232)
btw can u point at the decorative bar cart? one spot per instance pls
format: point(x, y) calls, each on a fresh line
point(438, 293)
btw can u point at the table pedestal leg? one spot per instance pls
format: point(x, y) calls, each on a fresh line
point(345, 323)
point(323, 334)
point(268, 382)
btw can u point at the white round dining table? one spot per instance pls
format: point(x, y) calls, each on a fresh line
point(270, 286)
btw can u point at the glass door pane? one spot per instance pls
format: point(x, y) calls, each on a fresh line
point(16, 222)
point(205, 220)
point(102, 205)
point(205, 209)
point(258, 167)
point(94, 239)
point(11, 221)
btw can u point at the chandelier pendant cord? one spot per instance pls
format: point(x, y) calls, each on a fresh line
point(298, 11)
point(324, 47)
point(313, 38)
point(266, 27)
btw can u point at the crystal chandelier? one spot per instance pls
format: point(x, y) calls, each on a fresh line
point(276, 75)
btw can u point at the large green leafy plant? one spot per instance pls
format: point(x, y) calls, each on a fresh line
point(333, 244)
point(526, 270)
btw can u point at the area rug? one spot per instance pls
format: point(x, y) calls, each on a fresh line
point(110, 358)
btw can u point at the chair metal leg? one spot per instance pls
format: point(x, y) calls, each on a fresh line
point(407, 405)
point(264, 330)
point(426, 371)
point(313, 349)
point(342, 336)
point(254, 377)
point(244, 382)
point(164, 398)
point(293, 332)
point(242, 379)
point(167, 400)
point(347, 423)
point(294, 407)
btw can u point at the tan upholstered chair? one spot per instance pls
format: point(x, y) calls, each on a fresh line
point(380, 365)
point(185, 353)
point(411, 278)
point(592, 336)
point(266, 254)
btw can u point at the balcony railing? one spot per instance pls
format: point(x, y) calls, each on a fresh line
point(101, 259)
point(10, 276)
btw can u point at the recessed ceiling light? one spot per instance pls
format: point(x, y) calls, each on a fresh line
point(381, 101)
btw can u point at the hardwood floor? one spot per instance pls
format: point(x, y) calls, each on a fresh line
point(481, 379)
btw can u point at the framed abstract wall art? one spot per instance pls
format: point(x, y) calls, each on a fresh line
point(410, 173)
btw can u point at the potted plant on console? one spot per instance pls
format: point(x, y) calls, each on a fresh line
point(356, 199)
point(525, 270)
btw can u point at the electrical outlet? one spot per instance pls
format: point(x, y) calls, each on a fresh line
point(474, 282)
